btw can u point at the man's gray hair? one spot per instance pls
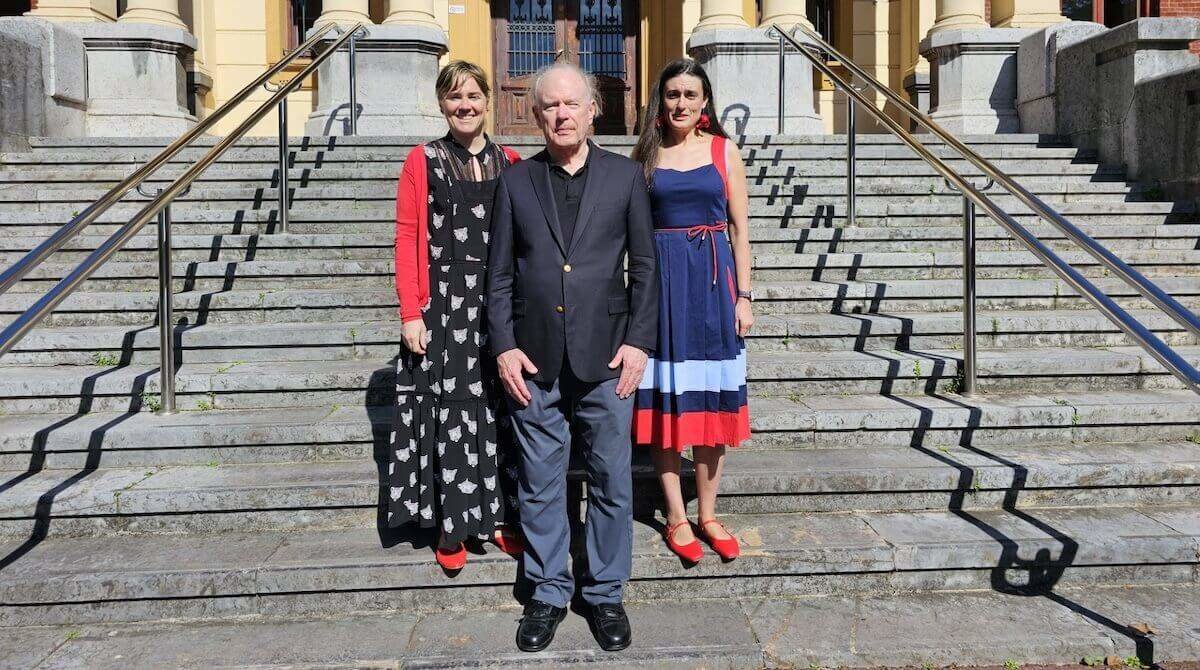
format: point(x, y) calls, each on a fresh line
point(589, 82)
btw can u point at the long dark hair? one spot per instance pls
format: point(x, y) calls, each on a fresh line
point(650, 141)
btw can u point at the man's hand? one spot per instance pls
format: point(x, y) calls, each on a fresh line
point(514, 364)
point(632, 362)
point(415, 335)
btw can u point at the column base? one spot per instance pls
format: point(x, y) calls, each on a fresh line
point(973, 75)
point(382, 108)
point(744, 68)
point(137, 79)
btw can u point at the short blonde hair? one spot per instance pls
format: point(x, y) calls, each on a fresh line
point(454, 72)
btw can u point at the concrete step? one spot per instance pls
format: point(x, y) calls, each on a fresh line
point(16, 198)
point(350, 432)
point(344, 340)
point(137, 578)
point(785, 178)
point(313, 217)
point(380, 246)
point(289, 383)
point(380, 274)
point(855, 631)
point(937, 295)
point(271, 305)
point(346, 494)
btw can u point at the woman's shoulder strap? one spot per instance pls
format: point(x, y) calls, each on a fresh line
point(718, 159)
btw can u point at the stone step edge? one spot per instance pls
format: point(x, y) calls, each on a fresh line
point(793, 545)
point(125, 492)
point(863, 413)
point(852, 631)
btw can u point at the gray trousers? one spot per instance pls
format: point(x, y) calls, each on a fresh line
point(543, 432)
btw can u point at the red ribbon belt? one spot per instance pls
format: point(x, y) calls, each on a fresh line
point(703, 232)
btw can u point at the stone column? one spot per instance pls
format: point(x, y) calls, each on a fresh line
point(104, 11)
point(346, 12)
point(1026, 13)
point(158, 12)
point(720, 14)
point(786, 13)
point(974, 79)
point(959, 15)
point(744, 67)
point(137, 78)
point(411, 12)
point(412, 49)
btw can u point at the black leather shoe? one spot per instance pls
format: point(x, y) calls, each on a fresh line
point(610, 626)
point(538, 625)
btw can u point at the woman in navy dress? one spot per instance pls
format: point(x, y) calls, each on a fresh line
point(694, 390)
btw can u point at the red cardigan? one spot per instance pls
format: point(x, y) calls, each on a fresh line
point(412, 233)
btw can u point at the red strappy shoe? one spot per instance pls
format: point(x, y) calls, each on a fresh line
point(727, 549)
point(691, 552)
point(451, 559)
point(509, 542)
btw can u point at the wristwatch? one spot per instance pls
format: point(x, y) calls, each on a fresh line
point(748, 295)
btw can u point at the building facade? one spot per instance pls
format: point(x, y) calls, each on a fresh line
point(624, 42)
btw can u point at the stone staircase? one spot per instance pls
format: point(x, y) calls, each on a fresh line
point(871, 491)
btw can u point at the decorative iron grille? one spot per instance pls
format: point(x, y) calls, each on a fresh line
point(531, 34)
point(602, 37)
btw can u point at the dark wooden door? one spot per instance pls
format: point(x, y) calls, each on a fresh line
point(599, 35)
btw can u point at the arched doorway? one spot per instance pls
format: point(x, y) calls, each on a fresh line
point(599, 35)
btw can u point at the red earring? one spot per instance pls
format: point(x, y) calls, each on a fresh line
point(705, 123)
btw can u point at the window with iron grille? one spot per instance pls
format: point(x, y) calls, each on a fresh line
point(602, 37)
point(531, 35)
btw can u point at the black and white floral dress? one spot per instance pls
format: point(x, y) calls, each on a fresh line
point(451, 442)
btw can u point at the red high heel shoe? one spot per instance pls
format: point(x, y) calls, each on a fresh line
point(727, 549)
point(451, 559)
point(691, 552)
point(509, 542)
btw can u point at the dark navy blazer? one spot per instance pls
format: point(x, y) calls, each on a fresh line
point(549, 296)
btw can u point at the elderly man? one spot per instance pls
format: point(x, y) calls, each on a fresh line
point(571, 339)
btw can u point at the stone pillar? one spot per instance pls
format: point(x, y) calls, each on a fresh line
point(720, 15)
point(1037, 72)
point(411, 49)
point(411, 12)
point(103, 11)
point(973, 78)
point(744, 68)
point(1095, 102)
point(959, 15)
point(1026, 13)
point(786, 13)
point(42, 65)
point(158, 12)
point(345, 12)
point(137, 79)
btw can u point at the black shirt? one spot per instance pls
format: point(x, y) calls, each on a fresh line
point(568, 190)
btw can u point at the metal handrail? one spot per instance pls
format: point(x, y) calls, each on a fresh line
point(15, 331)
point(1135, 279)
point(95, 210)
point(1144, 337)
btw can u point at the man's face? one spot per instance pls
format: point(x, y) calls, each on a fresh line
point(564, 111)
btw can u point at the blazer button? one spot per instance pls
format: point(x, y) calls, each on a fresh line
point(559, 309)
point(567, 267)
